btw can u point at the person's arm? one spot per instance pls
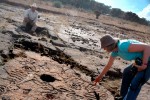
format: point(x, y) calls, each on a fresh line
point(107, 67)
point(36, 18)
point(26, 13)
point(146, 53)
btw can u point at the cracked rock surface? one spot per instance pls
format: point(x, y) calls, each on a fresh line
point(59, 61)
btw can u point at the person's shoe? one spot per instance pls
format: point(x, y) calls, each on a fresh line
point(23, 28)
point(32, 33)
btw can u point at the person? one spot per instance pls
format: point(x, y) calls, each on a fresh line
point(128, 49)
point(30, 18)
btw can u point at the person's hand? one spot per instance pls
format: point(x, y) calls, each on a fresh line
point(26, 19)
point(141, 68)
point(97, 80)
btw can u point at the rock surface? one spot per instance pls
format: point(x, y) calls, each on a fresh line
point(60, 60)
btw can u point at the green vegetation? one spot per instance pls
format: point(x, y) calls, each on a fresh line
point(97, 13)
point(94, 6)
point(57, 4)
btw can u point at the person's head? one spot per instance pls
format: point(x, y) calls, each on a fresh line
point(33, 7)
point(108, 43)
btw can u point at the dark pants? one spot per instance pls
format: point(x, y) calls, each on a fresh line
point(131, 84)
point(30, 25)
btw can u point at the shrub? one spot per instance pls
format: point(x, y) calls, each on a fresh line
point(57, 4)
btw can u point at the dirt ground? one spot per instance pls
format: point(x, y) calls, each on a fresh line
point(60, 62)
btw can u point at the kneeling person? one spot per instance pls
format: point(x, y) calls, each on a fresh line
point(30, 17)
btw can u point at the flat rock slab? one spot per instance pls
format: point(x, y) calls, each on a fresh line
point(6, 41)
point(23, 81)
point(20, 78)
